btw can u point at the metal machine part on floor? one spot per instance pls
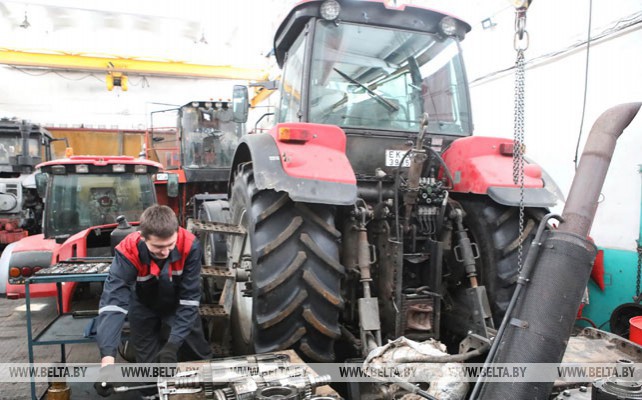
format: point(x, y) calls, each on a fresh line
point(251, 377)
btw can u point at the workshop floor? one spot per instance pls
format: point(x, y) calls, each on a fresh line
point(14, 349)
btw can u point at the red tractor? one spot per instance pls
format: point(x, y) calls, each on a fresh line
point(370, 196)
point(371, 211)
point(84, 197)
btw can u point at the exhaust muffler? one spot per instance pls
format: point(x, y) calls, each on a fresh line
point(538, 329)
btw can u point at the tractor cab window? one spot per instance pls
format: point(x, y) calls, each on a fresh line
point(290, 106)
point(384, 79)
point(209, 135)
point(12, 147)
point(77, 202)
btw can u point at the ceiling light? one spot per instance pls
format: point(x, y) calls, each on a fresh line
point(25, 24)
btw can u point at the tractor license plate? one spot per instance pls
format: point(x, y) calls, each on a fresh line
point(393, 158)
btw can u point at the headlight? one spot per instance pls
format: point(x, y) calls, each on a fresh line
point(118, 168)
point(330, 10)
point(448, 26)
point(82, 168)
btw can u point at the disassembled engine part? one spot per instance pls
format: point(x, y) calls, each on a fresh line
point(242, 378)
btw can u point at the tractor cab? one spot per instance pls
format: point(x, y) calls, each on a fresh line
point(209, 135)
point(22, 146)
point(374, 70)
point(203, 142)
point(197, 152)
point(87, 191)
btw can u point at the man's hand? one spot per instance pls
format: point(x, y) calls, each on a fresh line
point(168, 354)
point(104, 385)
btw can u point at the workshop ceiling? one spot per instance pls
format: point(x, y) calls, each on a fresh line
point(209, 32)
point(195, 31)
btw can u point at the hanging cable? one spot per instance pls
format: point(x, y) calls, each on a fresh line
point(616, 27)
point(586, 72)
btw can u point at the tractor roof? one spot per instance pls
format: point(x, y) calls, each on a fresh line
point(100, 161)
point(372, 12)
point(201, 103)
point(12, 127)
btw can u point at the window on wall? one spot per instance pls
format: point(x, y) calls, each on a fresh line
point(292, 82)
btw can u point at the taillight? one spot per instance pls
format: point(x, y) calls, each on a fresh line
point(296, 135)
point(26, 271)
point(507, 149)
point(14, 272)
point(36, 269)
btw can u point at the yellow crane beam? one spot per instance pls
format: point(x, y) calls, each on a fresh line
point(260, 95)
point(79, 62)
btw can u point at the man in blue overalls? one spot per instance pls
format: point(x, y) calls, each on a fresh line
point(154, 281)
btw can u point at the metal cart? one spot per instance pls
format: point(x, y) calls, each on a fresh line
point(64, 329)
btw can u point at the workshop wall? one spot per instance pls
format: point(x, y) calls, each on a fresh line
point(555, 87)
point(104, 142)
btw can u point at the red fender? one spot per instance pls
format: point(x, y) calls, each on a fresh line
point(313, 151)
point(74, 246)
point(478, 162)
point(33, 244)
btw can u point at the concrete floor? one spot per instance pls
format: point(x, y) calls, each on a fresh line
point(14, 349)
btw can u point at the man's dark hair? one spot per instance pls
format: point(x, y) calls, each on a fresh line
point(159, 221)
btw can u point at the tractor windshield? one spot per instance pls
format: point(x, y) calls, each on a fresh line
point(380, 78)
point(209, 136)
point(76, 202)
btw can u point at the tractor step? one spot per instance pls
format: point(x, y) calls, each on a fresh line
point(199, 226)
point(212, 311)
point(216, 271)
point(220, 275)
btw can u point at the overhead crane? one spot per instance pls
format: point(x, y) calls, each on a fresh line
point(122, 65)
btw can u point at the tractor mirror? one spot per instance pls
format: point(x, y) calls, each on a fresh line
point(240, 103)
point(172, 185)
point(41, 183)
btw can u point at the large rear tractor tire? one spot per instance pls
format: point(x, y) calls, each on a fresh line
point(495, 230)
point(292, 252)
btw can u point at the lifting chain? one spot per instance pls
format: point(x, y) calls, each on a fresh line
point(520, 44)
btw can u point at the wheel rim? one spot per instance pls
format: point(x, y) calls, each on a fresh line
point(242, 306)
